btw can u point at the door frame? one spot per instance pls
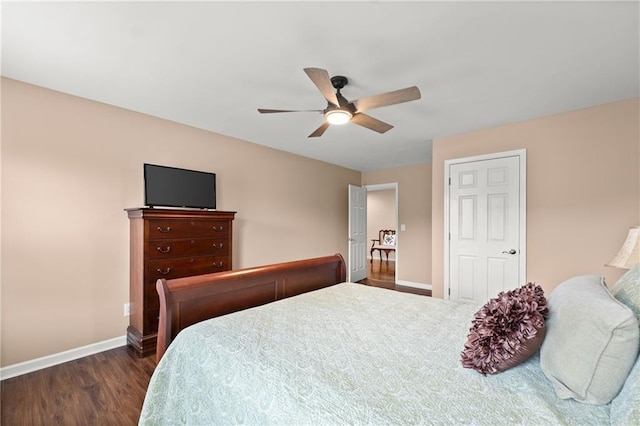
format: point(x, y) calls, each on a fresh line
point(522, 156)
point(383, 187)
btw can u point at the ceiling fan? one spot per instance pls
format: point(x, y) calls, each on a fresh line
point(340, 111)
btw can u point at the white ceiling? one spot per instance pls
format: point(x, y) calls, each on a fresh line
point(212, 64)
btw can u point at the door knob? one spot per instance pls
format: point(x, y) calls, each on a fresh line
point(512, 251)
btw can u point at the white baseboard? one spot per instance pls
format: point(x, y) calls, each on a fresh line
point(415, 285)
point(60, 358)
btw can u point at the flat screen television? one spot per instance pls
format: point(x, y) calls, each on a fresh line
point(173, 187)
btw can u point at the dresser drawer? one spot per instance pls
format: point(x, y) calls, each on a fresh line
point(171, 249)
point(185, 267)
point(179, 268)
point(162, 229)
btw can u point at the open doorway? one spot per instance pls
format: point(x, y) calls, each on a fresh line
point(382, 214)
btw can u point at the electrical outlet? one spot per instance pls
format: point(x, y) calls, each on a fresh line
point(127, 309)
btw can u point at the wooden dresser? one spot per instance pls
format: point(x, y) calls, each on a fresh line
point(170, 243)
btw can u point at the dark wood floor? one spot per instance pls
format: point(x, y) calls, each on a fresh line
point(382, 274)
point(107, 388)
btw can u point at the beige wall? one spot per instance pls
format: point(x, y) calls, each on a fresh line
point(381, 214)
point(583, 188)
point(414, 210)
point(71, 166)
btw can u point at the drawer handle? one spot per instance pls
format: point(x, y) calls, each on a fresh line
point(164, 230)
point(218, 228)
point(218, 246)
point(217, 265)
point(167, 250)
point(165, 272)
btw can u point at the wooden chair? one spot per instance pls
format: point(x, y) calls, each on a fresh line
point(386, 242)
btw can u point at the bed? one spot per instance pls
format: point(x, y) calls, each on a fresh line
point(339, 353)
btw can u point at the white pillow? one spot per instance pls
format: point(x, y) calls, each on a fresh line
point(591, 343)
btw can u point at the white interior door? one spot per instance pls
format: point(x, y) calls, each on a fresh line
point(486, 221)
point(357, 233)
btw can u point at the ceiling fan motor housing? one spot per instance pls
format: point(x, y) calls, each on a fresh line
point(339, 81)
point(341, 113)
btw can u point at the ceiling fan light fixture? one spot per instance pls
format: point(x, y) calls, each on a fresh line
point(338, 116)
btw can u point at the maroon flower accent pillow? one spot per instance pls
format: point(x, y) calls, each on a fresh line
point(506, 330)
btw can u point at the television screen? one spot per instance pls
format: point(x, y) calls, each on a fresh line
point(174, 187)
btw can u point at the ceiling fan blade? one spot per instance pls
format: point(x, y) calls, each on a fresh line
point(270, 111)
point(385, 99)
point(369, 122)
point(321, 79)
point(320, 130)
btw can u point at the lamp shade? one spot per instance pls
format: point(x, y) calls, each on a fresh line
point(629, 254)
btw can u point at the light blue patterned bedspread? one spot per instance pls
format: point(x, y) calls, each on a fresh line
point(347, 354)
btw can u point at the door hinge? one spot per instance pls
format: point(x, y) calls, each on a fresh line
point(449, 181)
point(449, 291)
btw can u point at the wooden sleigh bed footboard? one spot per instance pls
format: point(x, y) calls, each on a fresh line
point(186, 301)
